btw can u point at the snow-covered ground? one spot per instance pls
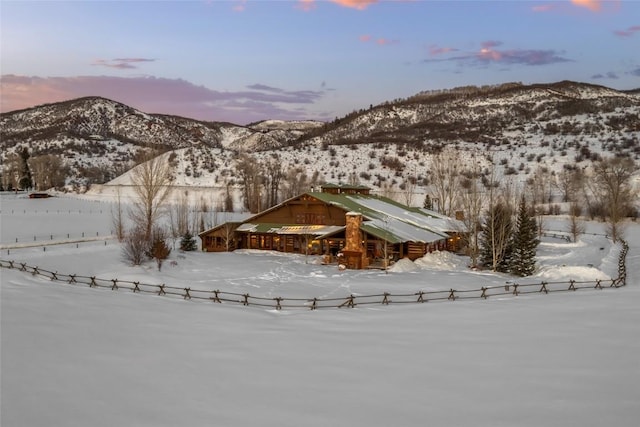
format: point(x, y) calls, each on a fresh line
point(76, 356)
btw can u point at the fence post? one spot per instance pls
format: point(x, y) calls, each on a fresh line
point(215, 297)
point(349, 302)
point(544, 288)
point(452, 296)
point(386, 299)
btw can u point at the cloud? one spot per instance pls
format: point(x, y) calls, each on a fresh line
point(489, 54)
point(306, 5)
point(609, 75)
point(161, 95)
point(596, 6)
point(435, 50)
point(352, 4)
point(635, 72)
point(381, 41)
point(592, 5)
point(355, 4)
point(121, 63)
point(628, 32)
point(543, 7)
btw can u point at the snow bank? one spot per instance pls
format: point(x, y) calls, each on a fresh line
point(567, 272)
point(432, 261)
point(403, 265)
point(440, 260)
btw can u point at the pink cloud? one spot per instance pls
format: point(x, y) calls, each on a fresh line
point(160, 95)
point(306, 5)
point(489, 54)
point(435, 50)
point(353, 4)
point(592, 5)
point(596, 6)
point(628, 32)
point(121, 63)
point(240, 5)
point(381, 41)
point(543, 8)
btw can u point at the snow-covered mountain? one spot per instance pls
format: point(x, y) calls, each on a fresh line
point(517, 127)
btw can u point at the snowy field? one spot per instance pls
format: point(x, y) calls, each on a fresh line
point(76, 356)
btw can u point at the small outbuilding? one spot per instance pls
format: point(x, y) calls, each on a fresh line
point(345, 224)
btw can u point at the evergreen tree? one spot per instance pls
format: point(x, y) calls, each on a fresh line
point(159, 249)
point(495, 239)
point(525, 241)
point(428, 204)
point(188, 242)
point(25, 172)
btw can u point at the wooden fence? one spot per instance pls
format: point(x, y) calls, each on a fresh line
point(351, 301)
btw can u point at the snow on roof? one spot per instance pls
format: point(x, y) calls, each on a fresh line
point(393, 221)
point(296, 229)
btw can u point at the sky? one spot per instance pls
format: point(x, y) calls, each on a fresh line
point(245, 61)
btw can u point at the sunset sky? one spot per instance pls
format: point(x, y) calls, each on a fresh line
point(244, 61)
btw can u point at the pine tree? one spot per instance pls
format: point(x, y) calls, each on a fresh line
point(159, 249)
point(188, 243)
point(428, 204)
point(525, 241)
point(25, 173)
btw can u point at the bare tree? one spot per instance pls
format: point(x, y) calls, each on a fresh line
point(179, 216)
point(252, 180)
point(613, 179)
point(228, 199)
point(296, 182)
point(472, 199)
point(576, 225)
point(135, 246)
point(151, 185)
point(11, 171)
point(47, 171)
point(497, 227)
point(272, 180)
point(117, 217)
point(445, 179)
point(409, 189)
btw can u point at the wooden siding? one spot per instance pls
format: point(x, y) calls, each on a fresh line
point(304, 210)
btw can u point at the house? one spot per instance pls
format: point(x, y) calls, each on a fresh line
point(344, 223)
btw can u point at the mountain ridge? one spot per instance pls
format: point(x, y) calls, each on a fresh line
point(571, 118)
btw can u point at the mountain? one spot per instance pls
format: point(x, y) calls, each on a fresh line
point(95, 132)
point(517, 127)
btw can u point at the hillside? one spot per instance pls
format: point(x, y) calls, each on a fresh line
point(388, 147)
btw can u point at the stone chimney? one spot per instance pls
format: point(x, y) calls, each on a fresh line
point(353, 251)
